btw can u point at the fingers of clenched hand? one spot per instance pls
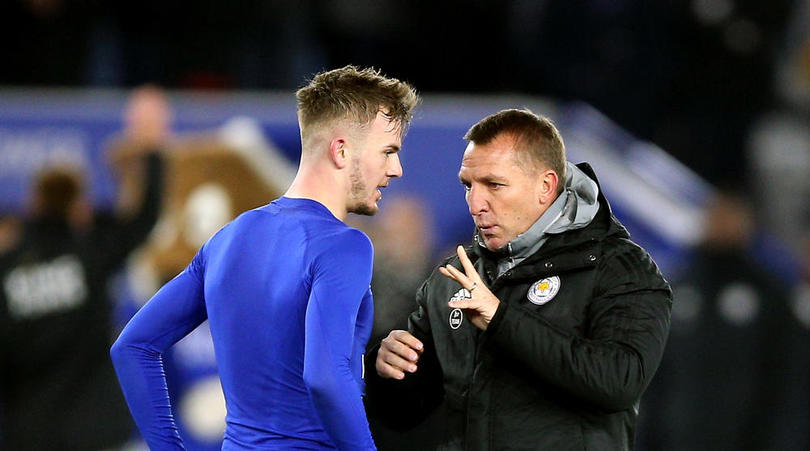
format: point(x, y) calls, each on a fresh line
point(399, 352)
point(405, 337)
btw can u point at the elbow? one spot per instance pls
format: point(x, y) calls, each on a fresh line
point(618, 401)
point(316, 383)
point(123, 351)
point(623, 395)
point(622, 383)
point(117, 352)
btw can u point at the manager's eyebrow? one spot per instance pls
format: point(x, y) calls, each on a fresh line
point(494, 178)
point(485, 178)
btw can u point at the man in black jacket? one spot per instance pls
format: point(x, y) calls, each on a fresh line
point(58, 389)
point(544, 333)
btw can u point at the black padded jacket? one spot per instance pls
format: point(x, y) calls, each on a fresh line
point(578, 336)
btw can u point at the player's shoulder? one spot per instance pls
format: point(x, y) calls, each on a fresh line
point(347, 237)
point(242, 220)
point(242, 224)
point(251, 220)
point(345, 247)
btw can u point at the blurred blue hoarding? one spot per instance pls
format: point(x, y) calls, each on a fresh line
point(656, 197)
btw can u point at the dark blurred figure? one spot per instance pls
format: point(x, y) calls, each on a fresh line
point(57, 385)
point(793, 413)
point(720, 383)
point(9, 232)
point(402, 261)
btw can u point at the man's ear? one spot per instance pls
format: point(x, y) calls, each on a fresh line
point(338, 152)
point(549, 181)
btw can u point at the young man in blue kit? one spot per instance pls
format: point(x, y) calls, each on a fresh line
point(285, 287)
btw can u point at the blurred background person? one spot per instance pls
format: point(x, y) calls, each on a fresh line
point(779, 141)
point(793, 411)
point(403, 237)
point(721, 381)
point(57, 387)
point(9, 232)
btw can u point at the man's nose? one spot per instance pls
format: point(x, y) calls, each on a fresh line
point(394, 167)
point(477, 201)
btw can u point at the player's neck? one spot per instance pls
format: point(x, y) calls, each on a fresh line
point(321, 186)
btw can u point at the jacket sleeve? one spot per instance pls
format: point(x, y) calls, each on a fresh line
point(403, 404)
point(173, 312)
point(123, 235)
point(340, 281)
point(609, 364)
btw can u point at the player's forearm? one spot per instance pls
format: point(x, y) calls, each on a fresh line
point(333, 388)
point(140, 373)
point(332, 351)
point(338, 402)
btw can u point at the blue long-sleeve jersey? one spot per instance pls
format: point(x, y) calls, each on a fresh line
point(285, 288)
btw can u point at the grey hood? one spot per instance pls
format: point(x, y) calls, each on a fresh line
point(581, 202)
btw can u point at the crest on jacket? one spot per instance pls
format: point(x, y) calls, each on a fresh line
point(456, 317)
point(544, 290)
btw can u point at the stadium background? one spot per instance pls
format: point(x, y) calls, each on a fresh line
point(670, 102)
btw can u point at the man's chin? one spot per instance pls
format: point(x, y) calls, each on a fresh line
point(494, 244)
point(365, 209)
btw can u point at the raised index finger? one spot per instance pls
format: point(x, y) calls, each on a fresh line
point(469, 269)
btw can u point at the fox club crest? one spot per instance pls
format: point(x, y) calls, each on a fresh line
point(544, 290)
